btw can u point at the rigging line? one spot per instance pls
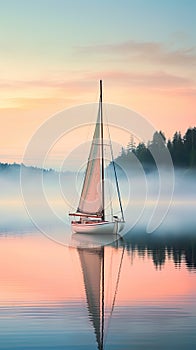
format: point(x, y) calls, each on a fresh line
point(118, 278)
point(111, 206)
point(110, 197)
point(115, 174)
point(115, 294)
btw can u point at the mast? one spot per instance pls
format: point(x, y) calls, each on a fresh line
point(102, 154)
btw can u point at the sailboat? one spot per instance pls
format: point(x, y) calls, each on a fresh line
point(91, 211)
point(93, 268)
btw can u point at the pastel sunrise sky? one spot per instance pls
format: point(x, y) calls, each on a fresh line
point(53, 52)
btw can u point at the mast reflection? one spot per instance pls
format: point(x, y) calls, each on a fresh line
point(92, 259)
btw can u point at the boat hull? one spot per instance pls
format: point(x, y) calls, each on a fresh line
point(98, 228)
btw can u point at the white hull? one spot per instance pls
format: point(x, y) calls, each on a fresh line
point(98, 228)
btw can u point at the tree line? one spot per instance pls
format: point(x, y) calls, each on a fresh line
point(9, 170)
point(182, 150)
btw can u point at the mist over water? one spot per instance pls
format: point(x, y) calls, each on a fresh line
point(180, 212)
point(61, 193)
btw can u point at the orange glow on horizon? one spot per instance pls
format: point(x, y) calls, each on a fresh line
point(21, 117)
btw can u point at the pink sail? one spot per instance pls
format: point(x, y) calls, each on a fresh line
point(91, 196)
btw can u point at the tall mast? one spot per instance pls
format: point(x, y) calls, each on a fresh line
point(102, 153)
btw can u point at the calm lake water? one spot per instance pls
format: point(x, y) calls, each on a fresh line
point(139, 293)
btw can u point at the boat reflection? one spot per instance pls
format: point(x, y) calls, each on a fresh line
point(92, 259)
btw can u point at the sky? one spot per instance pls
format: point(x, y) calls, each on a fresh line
point(53, 53)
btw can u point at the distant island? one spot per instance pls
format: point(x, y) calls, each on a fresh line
point(9, 170)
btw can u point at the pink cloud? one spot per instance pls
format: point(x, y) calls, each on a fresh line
point(74, 87)
point(84, 84)
point(150, 80)
point(145, 51)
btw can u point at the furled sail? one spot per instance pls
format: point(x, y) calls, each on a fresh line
point(91, 196)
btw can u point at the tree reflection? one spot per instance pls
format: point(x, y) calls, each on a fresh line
point(159, 248)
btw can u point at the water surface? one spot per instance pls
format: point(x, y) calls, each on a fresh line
point(51, 295)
